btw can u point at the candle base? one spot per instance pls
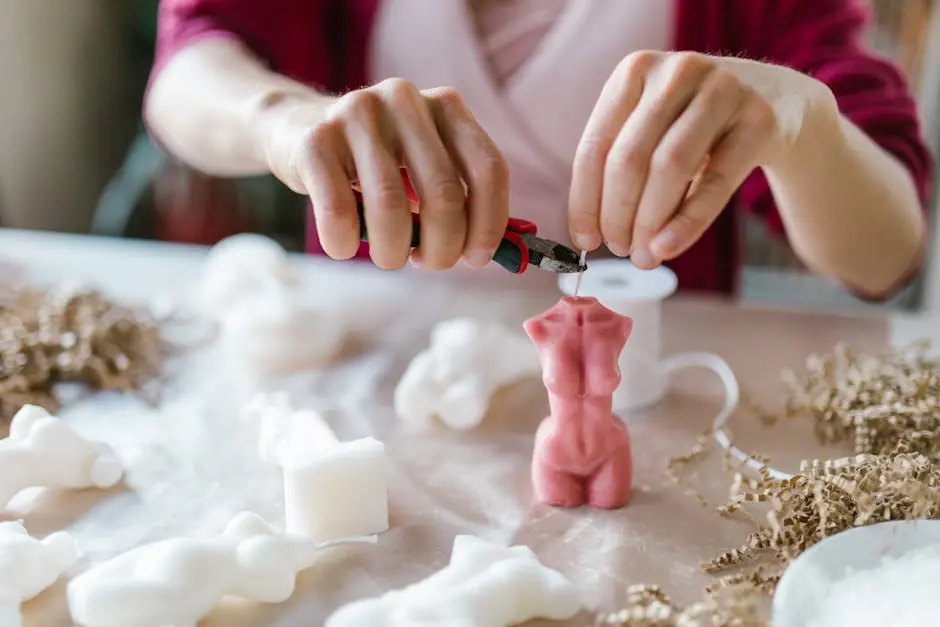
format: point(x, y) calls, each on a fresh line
point(561, 478)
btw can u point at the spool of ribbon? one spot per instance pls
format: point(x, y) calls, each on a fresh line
point(622, 287)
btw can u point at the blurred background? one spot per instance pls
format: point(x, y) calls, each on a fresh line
point(907, 31)
point(75, 158)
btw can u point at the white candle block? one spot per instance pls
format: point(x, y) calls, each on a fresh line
point(332, 489)
point(28, 566)
point(454, 380)
point(178, 581)
point(341, 492)
point(43, 451)
point(484, 585)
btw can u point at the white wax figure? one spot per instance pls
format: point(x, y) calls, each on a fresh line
point(28, 566)
point(279, 333)
point(332, 489)
point(240, 267)
point(43, 451)
point(174, 583)
point(456, 377)
point(269, 323)
point(484, 585)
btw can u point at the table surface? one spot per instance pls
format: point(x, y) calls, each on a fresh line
point(192, 463)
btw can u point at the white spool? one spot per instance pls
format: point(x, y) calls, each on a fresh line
point(625, 289)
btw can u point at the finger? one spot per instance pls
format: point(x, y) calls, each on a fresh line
point(387, 212)
point(664, 99)
point(619, 97)
point(439, 188)
point(483, 169)
point(323, 168)
point(679, 156)
point(728, 166)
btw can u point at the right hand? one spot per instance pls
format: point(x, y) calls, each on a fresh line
point(367, 135)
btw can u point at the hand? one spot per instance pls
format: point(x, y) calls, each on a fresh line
point(458, 174)
point(671, 139)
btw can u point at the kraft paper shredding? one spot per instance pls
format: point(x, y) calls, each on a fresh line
point(74, 335)
point(888, 409)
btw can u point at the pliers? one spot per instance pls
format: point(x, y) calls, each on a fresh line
point(519, 248)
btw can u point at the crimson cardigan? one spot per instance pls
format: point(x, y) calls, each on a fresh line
point(324, 43)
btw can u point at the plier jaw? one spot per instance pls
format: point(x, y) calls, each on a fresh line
point(521, 248)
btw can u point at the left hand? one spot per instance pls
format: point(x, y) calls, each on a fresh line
point(670, 140)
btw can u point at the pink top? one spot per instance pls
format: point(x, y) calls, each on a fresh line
point(522, 84)
point(537, 114)
point(511, 30)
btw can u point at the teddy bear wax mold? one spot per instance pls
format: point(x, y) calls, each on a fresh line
point(582, 450)
point(43, 451)
point(28, 566)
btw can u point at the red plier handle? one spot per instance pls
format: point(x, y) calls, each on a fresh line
point(512, 253)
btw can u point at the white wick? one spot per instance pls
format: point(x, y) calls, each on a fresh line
point(577, 286)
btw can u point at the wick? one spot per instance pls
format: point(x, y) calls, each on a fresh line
point(577, 286)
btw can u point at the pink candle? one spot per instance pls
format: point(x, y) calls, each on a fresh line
point(582, 450)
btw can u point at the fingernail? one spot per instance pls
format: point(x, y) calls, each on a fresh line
point(414, 258)
point(477, 258)
point(665, 243)
point(617, 249)
point(642, 258)
point(585, 242)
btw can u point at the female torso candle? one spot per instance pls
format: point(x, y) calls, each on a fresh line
point(582, 450)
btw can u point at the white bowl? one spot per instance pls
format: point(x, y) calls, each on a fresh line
point(806, 580)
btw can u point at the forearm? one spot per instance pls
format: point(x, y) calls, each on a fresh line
point(206, 105)
point(850, 208)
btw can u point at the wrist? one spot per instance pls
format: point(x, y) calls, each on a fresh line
point(279, 117)
point(819, 133)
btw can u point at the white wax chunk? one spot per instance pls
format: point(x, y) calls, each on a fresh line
point(340, 492)
point(484, 585)
point(332, 489)
point(178, 581)
point(43, 451)
point(456, 377)
point(28, 566)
